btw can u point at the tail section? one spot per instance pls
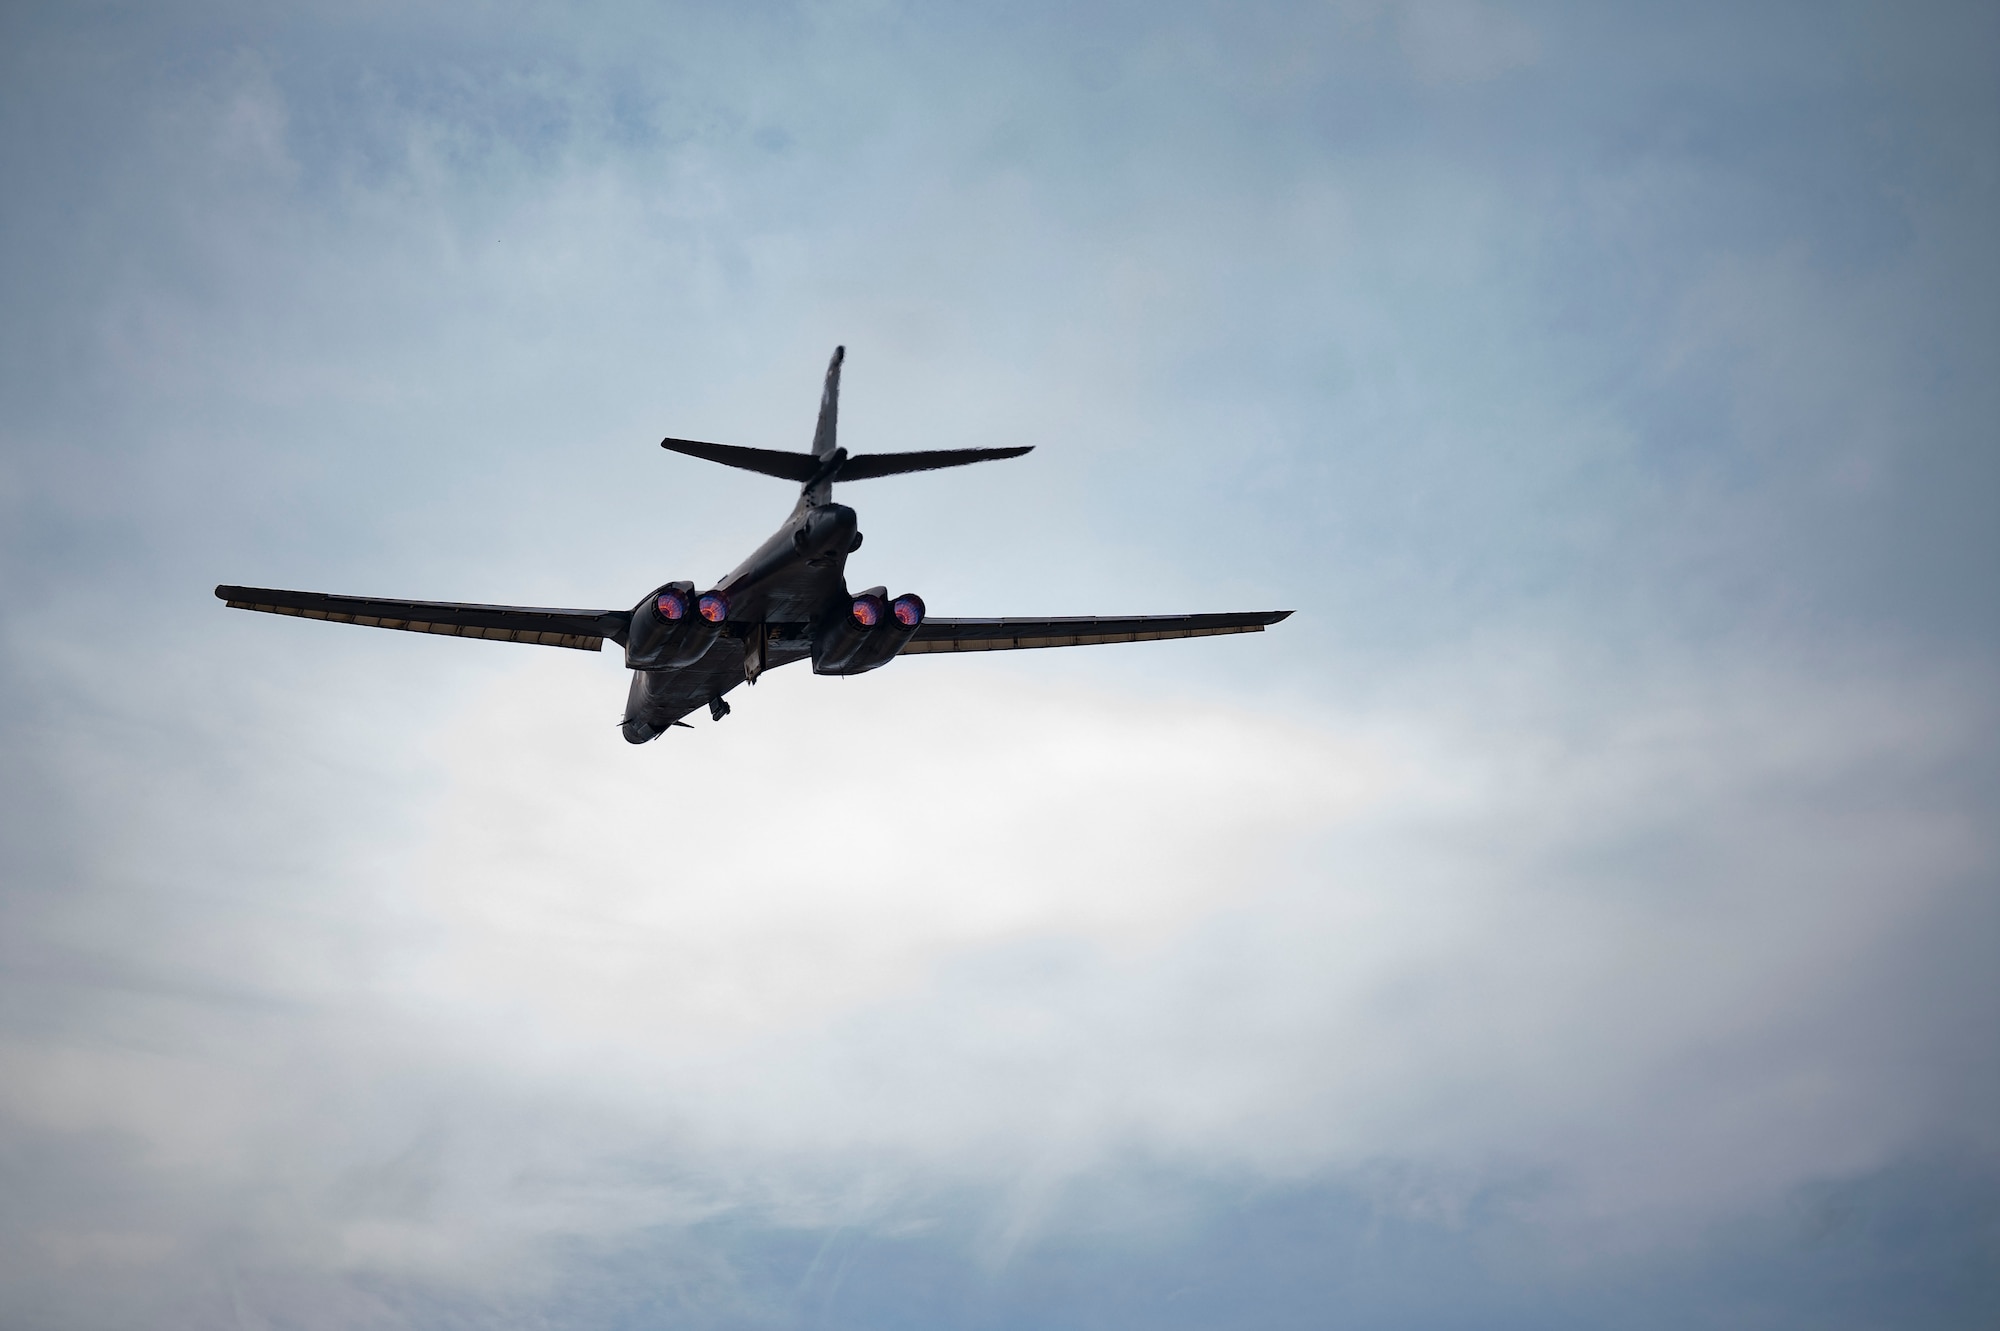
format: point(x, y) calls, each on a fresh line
point(828, 462)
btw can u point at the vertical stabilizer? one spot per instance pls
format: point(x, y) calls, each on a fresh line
point(824, 441)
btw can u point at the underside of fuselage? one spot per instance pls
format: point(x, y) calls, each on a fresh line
point(773, 603)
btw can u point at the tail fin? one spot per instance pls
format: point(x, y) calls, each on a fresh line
point(829, 408)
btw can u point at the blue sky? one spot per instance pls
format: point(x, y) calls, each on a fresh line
point(1581, 913)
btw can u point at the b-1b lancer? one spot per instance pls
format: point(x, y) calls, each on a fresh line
point(787, 602)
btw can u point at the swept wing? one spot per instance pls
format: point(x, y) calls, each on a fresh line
point(1000, 635)
point(584, 630)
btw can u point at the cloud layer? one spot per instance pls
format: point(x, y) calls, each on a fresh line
point(1580, 913)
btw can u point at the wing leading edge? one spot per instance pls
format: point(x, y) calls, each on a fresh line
point(1000, 635)
point(583, 630)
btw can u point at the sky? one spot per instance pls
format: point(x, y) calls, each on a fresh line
point(1582, 912)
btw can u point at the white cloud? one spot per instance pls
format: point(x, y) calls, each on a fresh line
point(834, 840)
point(1643, 912)
point(1587, 936)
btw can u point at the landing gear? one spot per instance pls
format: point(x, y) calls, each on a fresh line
point(717, 709)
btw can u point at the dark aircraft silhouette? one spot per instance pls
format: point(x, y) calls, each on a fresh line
point(786, 602)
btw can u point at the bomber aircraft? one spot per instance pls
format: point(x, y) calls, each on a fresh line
point(787, 602)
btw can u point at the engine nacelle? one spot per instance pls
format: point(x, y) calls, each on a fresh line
point(864, 632)
point(673, 628)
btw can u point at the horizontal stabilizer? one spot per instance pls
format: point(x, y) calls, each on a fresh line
point(768, 461)
point(870, 465)
point(804, 467)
